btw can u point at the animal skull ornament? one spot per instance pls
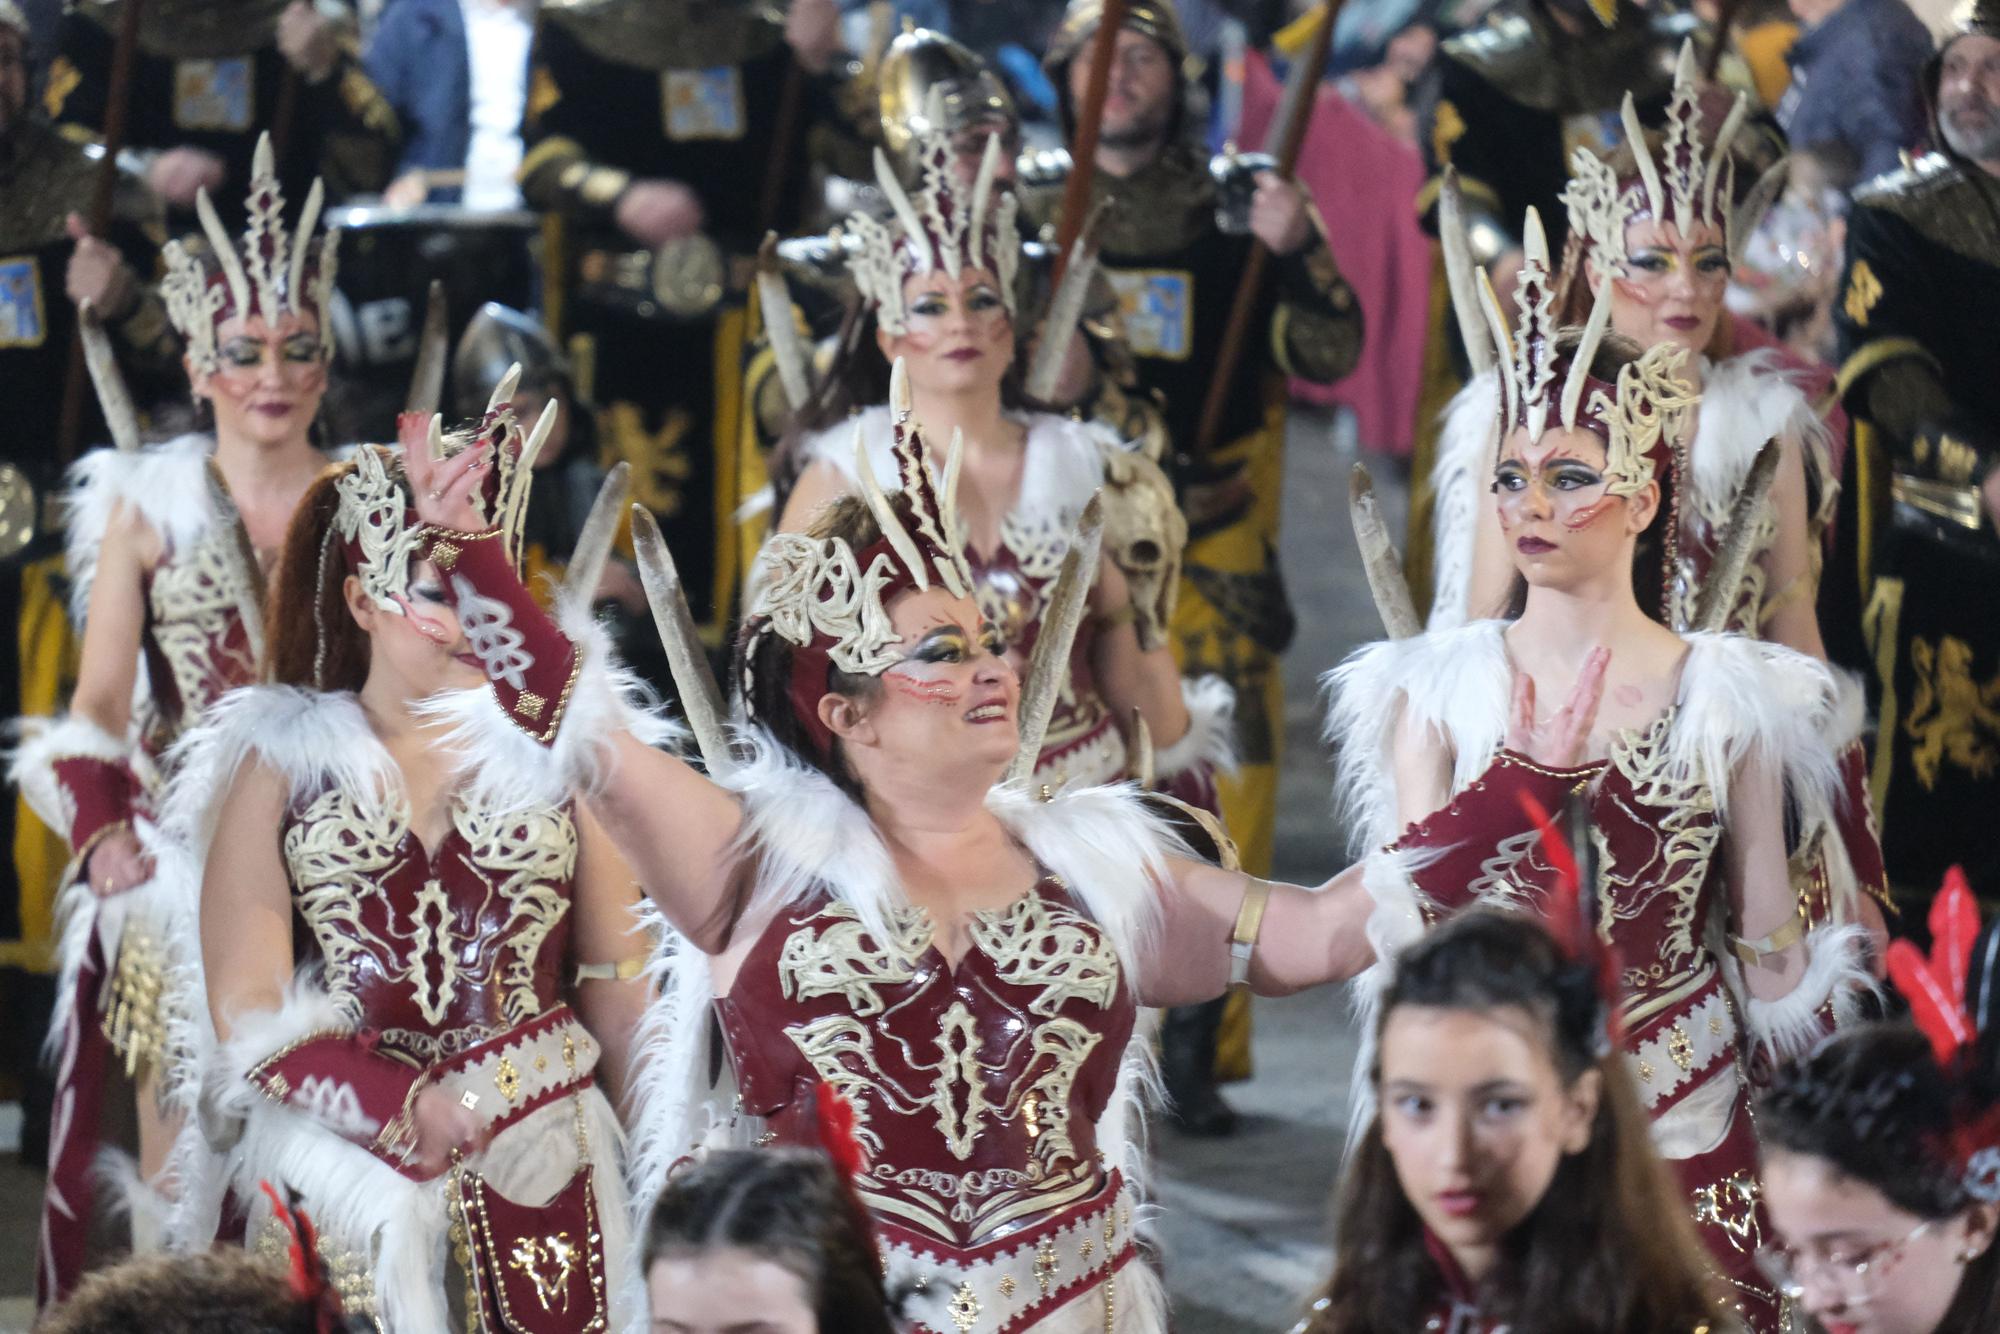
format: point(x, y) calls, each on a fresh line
point(1144, 534)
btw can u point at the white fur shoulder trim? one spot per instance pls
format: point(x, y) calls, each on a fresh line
point(1465, 456)
point(1746, 401)
point(309, 738)
point(1211, 735)
point(166, 484)
point(1743, 701)
point(506, 769)
point(1455, 682)
point(1065, 458)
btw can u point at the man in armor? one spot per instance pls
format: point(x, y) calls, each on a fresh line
point(670, 135)
point(208, 78)
point(1175, 235)
point(1918, 317)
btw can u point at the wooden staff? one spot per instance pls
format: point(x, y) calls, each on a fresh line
point(104, 188)
point(791, 96)
point(1292, 137)
point(1089, 120)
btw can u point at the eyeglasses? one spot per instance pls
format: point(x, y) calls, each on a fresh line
point(1854, 1278)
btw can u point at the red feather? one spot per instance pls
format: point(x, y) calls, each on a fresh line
point(835, 1116)
point(1937, 1012)
point(1565, 915)
point(1954, 923)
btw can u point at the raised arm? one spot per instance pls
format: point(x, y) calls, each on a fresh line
point(567, 722)
point(1790, 616)
point(1130, 677)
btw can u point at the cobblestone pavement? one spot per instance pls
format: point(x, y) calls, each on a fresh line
point(1242, 1221)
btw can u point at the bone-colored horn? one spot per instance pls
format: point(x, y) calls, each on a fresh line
point(1458, 274)
point(1724, 137)
point(503, 393)
point(545, 425)
point(225, 252)
point(1635, 135)
point(906, 212)
point(1144, 762)
point(982, 194)
point(112, 395)
point(1378, 558)
point(885, 513)
point(1496, 327)
point(700, 697)
point(600, 532)
point(295, 273)
point(433, 351)
point(1049, 666)
point(435, 442)
point(1586, 352)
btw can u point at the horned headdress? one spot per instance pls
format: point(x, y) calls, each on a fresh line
point(274, 272)
point(375, 525)
point(943, 226)
point(831, 602)
point(1690, 182)
point(1638, 416)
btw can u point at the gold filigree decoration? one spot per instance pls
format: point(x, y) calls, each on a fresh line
point(1039, 943)
point(194, 595)
point(1681, 1047)
point(844, 960)
point(340, 851)
point(1046, 1265)
point(964, 1308)
point(1679, 809)
point(1730, 1205)
point(548, 1262)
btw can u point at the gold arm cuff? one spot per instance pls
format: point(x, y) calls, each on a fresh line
point(1111, 620)
point(1249, 925)
point(624, 970)
point(1786, 936)
point(1874, 355)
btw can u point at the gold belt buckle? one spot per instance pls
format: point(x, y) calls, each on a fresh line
point(19, 513)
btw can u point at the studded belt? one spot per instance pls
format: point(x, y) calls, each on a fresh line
point(1015, 1283)
point(503, 1079)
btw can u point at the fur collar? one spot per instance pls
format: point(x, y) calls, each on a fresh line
point(166, 484)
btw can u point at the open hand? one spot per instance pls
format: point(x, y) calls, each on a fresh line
point(443, 491)
point(178, 174)
point(1557, 742)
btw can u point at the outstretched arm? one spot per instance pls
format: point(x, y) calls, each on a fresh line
point(1307, 936)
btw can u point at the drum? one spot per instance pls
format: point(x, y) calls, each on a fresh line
point(388, 260)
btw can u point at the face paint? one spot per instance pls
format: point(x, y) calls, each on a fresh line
point(1589, 514)
point(941, 693)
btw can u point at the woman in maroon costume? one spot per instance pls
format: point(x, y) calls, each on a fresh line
point(1688, 748)
point(863, 903)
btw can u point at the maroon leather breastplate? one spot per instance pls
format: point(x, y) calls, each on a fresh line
point(977, 1089)
point(436, 952)
point(196, 645)
point(1657, 836)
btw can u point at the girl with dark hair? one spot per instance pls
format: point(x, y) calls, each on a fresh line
point(937, 278)
point(861, 902)
point(1655, 232)
point(165, 548)
point(1687, 748)
point(414, 1004)
point(1881, 1151)
point(766, 1240)
point(1506, 1180)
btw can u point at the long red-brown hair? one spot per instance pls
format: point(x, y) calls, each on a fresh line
point(312, 639)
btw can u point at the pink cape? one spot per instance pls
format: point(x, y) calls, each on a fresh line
point(1365, 183)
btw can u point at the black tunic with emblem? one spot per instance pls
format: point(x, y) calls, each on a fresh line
point(215, 84)
point(615, 99)
point(1912, 596)
point(43, 178)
